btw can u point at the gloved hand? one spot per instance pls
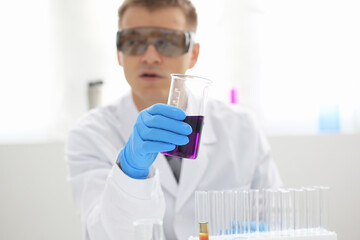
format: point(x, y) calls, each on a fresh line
point(158, 128)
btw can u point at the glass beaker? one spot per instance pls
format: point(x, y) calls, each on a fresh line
point(189, 93)
point(148, 229)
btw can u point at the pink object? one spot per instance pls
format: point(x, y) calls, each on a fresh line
point(234, 95)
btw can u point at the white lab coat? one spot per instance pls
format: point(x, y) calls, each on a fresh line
point(233, 154)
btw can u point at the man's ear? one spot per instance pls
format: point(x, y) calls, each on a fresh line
point(194, 54)
point(119, 57)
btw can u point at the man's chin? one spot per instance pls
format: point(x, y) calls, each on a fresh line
point(154, 95)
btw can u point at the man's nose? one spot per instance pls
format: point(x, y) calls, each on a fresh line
point(151, 55)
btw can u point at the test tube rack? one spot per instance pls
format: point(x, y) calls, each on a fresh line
point(293, 214)
point(326, 235)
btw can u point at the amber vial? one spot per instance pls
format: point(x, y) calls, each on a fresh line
point(203, 231)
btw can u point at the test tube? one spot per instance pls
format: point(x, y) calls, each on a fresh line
point(243, 211)
point(229, 203)
point(299, 209)
point(202, 213)
point(285, 212)
point(266, 210)
point(282, 210)
point(273, 208)
point(310, 203)
point(254, 210)
point(148, 229)
point(220, 208)
point(261, 226)
point(323, 192)
point(213, 222)
point(238, 212)
point(316, 209)
point(291, 211)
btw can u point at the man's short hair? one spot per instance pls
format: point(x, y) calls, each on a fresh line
point(185, 5)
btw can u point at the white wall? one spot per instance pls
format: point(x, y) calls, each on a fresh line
point(36, 201)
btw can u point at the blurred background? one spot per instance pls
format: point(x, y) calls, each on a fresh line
point(295, 63)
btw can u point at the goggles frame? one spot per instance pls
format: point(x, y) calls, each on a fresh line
point(187, 45)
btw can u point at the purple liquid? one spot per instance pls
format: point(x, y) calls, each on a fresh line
point(191, 149)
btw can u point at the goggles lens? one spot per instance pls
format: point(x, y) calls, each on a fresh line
point(167, 42)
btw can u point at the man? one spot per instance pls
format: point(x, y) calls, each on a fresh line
point(116, 171)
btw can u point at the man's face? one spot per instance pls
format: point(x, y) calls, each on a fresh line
point(149, 74)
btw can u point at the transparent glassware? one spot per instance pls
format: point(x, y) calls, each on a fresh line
point(266, 213)
point(202, 214)
point(229, 206)
point(148, 229)
point(214, 217)
point(284, 210)
point(323, 192)
point(254, 210)
point(189, 93)
point(299, 209)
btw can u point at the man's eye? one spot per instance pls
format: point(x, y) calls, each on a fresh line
point(132, 42)
point(162, 43)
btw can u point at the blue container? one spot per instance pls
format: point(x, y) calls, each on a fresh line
point(329, 118)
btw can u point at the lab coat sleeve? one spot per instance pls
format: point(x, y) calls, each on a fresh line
point(108, 200)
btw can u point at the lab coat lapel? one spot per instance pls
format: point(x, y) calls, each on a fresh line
point(193, 170)
point(127, 114)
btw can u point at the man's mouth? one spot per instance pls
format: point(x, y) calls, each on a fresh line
point(150, 76)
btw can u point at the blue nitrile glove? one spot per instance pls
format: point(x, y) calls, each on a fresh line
point(158, 128)
point(262, 227)
point(244, 228)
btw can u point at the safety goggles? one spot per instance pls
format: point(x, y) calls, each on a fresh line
point(167, 42)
